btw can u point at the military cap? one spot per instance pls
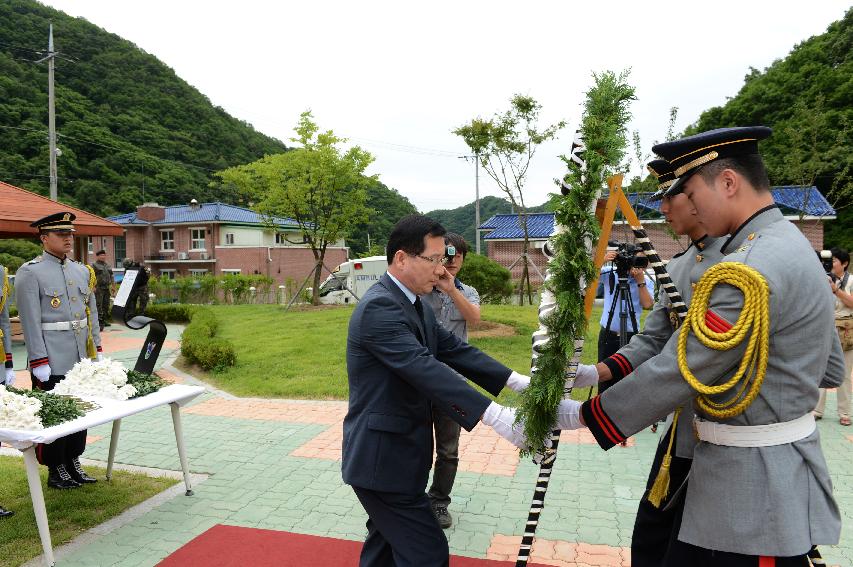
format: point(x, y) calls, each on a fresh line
point(687, 155)
point(101, 251)
point(62, 221)
point(662, 172)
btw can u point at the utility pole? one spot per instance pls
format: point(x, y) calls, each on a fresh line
point(476, 199)
point(51, 113)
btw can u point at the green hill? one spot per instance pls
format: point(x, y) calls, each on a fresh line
point(461, 219)
point(122, 116)
point(807, 98)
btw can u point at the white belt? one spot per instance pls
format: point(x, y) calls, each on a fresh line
point(755, 435)
point(65, 325)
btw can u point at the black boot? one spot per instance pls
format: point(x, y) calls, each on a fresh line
point(4, 512)
point(58, 477)
point(78, 474)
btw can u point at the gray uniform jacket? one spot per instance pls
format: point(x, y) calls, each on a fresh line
point(685, 270)
point(5, 325)
point(752, 500)
point(50, 290)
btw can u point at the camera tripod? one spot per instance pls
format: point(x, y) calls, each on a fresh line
point(622, 298)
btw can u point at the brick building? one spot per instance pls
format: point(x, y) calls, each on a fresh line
point(215, 238)
point(804, 206)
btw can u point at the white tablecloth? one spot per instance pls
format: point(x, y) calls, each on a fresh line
point(109, 410)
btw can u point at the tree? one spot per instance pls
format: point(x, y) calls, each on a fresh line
point(318, 185)
point(490, 279)
point(505, 145)
point(387, 206)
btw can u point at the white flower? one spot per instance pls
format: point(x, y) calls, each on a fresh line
point(19, 412)
point(102, 379)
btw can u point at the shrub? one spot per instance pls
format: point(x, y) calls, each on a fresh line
point(170, 312)
point(200, 345)
point(490, 279)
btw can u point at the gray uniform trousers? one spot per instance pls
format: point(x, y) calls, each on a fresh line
point(50, 290)
point(771, 501)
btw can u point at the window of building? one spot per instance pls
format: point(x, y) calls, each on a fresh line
point(120, 249)
point(197, 238)
point(229, 238)
point(167, 240)
point(90, 245)
point(168, 273)
point(198, 273)
point(232, 271)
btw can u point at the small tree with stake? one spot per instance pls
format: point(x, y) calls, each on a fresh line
point(318, 185)
point(505, 145)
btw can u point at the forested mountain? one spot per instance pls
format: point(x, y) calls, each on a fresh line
point(807, 98)
point(123, 118)
point(387, 207)
point(461, 219)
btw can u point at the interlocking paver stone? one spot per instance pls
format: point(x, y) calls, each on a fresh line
point(275, 464)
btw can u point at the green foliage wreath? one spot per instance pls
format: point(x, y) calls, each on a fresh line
point(603, 130)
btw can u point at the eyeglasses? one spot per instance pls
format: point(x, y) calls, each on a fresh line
point(434, 260)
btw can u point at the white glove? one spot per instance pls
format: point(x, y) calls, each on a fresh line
point(10, 376)
point(517, 382)
point(568, 415)
point(502, 420)
point(587, 376)
point(42, 373)
point(100, 356)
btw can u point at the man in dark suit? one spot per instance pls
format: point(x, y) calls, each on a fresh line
point(400, 363)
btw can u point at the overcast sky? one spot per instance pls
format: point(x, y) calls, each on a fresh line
point(397, 77)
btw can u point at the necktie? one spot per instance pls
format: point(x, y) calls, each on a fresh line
point(419, 307)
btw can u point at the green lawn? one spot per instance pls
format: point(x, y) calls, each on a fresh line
point(301, 353)
point(69, 512)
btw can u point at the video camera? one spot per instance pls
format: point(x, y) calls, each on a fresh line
point(627, 257)
point(449, 252)
point(825, 257)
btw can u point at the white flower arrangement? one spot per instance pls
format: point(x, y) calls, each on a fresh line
point(102, 379)
point(19, 412)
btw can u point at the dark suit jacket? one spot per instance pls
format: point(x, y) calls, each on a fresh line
point(397, 370)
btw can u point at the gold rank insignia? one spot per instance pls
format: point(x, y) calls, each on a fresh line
point(674, 320)
point(751, 236)
point(699, 257)
point(55, 302)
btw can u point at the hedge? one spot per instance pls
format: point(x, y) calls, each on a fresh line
point(200, 345)
point(171, 312)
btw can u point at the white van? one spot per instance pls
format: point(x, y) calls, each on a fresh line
point(357, 275)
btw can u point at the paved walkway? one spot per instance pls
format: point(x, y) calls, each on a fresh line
point(275, 464)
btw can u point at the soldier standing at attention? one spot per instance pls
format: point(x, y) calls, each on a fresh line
point(56, 303)
point(104, 283)
point(751, 357)
point(5, 344)
point(455, 305)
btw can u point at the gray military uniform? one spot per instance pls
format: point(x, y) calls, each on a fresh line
point(684, 270)
point(5, 324)
point(774, 500)
point(48, 290)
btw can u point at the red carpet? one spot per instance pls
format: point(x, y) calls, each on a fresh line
point(232, 546)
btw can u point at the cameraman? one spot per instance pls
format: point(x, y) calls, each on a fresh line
point(456, 305)
point(639, 286)
point(841, 285)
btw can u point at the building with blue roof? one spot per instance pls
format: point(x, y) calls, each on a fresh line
point(806, 207)
point(216, 238)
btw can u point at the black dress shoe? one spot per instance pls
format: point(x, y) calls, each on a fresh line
point(5, 513)
point(78, 474)
point(58, 477)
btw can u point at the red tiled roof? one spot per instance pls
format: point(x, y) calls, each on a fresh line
point(19, 207)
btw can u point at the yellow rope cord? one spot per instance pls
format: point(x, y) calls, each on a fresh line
point(660, 488)
point(4, 294)
point(755, 316)
point(91, 351)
